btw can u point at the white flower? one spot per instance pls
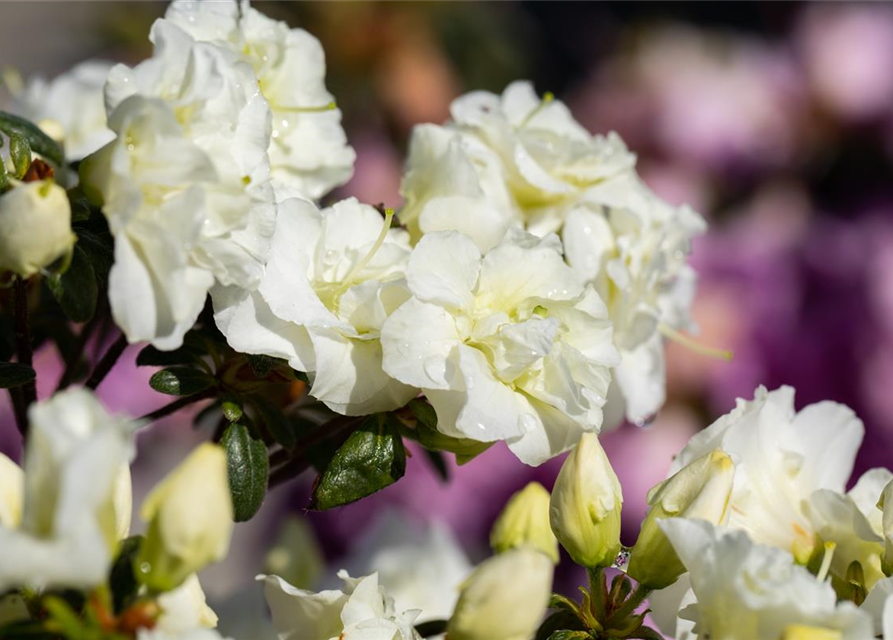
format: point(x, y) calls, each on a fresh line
point(35, 227)
point(781, 458)
point(852, 522)
point(185, 608)
point(70, 516)
point(309, 154)
point(189, 634)
point(12, 483)
point(362, 610)
point(633, 247)
point(509, 346)
point(747, 591)
point(185, 185)
point(505, 597)
point(333, 278)
point(69, 107)
point(422, 569)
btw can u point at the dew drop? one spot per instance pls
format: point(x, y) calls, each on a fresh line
point(527, 422)
point(622, 559)
point(145, 567)
point(435, 368)
point(644, 422)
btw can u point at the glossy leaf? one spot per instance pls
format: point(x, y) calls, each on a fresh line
point(76, 289)
point(38, 141)
point(181, 381)
point(249, 469)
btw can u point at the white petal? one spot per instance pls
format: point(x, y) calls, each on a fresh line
point(443, 269)
point(316, 615)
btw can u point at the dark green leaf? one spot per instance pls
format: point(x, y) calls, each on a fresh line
point(249, 470)
point(194, 347)
point(122, 580)
point(276, 422)
point(76, 289)
point(99, 249)
point(371, 459)
point(567, 634)
point(38, 141)
point(424, 413)
point(558, 601)
point(647, 633)
point(560, 620)
point(427, 435)
point(13, 374)
point(431, 628)
point(181, 381)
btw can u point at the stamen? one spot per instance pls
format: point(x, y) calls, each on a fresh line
point(359, 266)
point(326, 107)
point(826, 561)
point(692, 344)
point(548, 97)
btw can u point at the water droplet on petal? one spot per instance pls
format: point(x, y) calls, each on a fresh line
point(435, 368)
point(145, 567)
point(645, 421)
point(527, 422)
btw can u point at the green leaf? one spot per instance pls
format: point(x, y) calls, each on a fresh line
point(276, 422)
point(76, 289)
point(181, 381)
point(558, 601)
point(122, 580)
point(38, 141)
point(99, 249)
point(20, 154)
point(427, 435)
point(13, 374)
point(261, 366)
point(567, 634)
point(232, 409)
point(424, 413)
point(371, 459)
point(193, 349)
point(249, 470)
point(558, 621)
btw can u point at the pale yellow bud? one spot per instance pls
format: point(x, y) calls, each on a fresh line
point(12, 491)
point(807, 632)
point(699, 490)
point(35, 227)
point(190, 515)
point(504, 598)
point(585, 506)
point(525, 521)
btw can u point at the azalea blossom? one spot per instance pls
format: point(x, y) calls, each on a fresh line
point(361, 610)
point(185, 186)
point(748, 591)
point(69, 108)
point(782, 458)
point(185, 609)
point(506, 346)
point(308, 150)
point(74, 506)
point(333, 278)
point(520, 161)
point(12, 482)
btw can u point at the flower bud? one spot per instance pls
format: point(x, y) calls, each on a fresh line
point(525, 521)
point(12, 491)
point(35, 227)
point(699, 490)
point(808, 632)
point(190, 516)
point(585, 506)
point(504, 598)
point(885, 504)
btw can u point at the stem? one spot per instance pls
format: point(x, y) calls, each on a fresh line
point(108, 360)
point(27, 393)
point(175, 406)
point(598, 592)
point(74, 360)
point(632, 603)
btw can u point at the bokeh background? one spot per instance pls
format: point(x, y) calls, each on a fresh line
point(775, 120)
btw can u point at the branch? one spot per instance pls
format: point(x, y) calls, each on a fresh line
point(176, 405)
point(108, 360)
point(74, 360)
point(27, 393)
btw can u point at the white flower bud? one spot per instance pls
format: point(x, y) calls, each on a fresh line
point(525, 521)
point(12, 490)
point(190, 516)
point(586, 504)
point(504, 598)
point(35, 227)
point(699, 490)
